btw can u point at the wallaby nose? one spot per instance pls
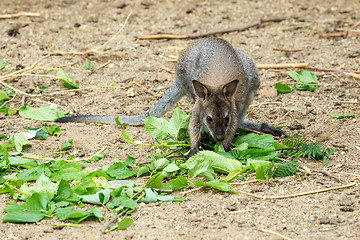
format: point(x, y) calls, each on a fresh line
point(220, 138)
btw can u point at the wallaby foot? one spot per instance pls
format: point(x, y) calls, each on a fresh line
point(267, 128)
point(191, 153)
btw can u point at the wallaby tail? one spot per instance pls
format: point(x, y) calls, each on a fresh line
point(106, 119)
point(172, 95)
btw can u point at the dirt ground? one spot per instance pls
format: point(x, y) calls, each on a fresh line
point(134, 81)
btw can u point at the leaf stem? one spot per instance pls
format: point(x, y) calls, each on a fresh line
point(12, 187)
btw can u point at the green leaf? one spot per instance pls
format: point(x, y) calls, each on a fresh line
point(122, 201)
point(262, 168)
point(68, 174)
point(68, 82)
point(44, 88)
point(216, 161)
point(53, 130)
point(201, 167)
point(216, 184)
point(4, 96)
point(282, 88)
point(63, 165)
point(19, 140)
point(176, 184)
point(66, 193)
point(152, 196)
point(119, 171)
point(142, 170)
point(88, 65)
point(161, 163)
point(123, 224)
point(172, 167)
point(77, 215)
point(341, 116)
point(33, 210)
point(66, 146)
point(155, 181)
point(264, 141)
point(254, 153)
point(178, 123)
point(310, 88)
point(232, 175)
point(130, 161)
point(7, 111)
point(303, 76)
point(99, 198)
point(41, 113)
point(33, 174)
point(156, 127)
point(86, 187)
point(43, 184)
point(2, 64)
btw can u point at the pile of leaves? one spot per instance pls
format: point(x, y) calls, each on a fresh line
point(52, 186)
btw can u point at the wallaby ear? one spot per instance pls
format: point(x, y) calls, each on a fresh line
point(229, 88)
point(200, 89)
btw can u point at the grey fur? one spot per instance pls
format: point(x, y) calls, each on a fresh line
point(214, 64)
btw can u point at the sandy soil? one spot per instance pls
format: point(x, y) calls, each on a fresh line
point(136, 68)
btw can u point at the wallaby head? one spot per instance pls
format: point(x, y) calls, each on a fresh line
point(217, 110)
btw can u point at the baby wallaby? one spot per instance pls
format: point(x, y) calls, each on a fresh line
point(222, 82)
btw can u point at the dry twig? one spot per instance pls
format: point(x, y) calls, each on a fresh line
point(275, 233)
point(100, 151)
point(194, 36)
point(19, 14)
point(241, 211)
point(340, 34)
point(107, 225)
point(283, 65)
point(288, 50)
point(102, 66)
point(96, 50)
point(331, 70)
point(298, 194)
point(17, 74)
point(192, 190)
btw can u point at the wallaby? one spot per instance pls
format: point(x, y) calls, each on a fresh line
point(221, 80)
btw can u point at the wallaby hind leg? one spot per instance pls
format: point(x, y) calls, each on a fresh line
point(168, 100)
point(262, 127)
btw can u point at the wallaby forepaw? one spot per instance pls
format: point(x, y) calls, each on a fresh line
point(267, 128)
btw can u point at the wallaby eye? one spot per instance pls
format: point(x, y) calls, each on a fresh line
point(227, 118)
point(208, 118)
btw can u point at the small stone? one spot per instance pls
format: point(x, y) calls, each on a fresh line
point(304, 112)
point(48, 230)
point(122, 6)
point(346, 202)
point(307, 104)
point(77, 25)
point(296, 126)
point(324, 220)
point(346, 209)
point(311, 218)
point(231, 207)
